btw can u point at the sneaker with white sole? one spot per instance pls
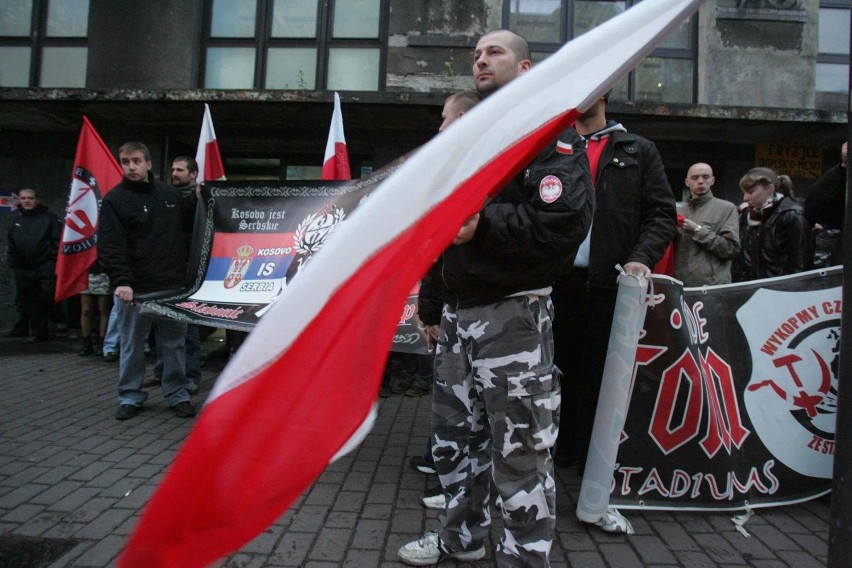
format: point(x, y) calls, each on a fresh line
point(420, 464)
point(426, 551)
point(433, 498)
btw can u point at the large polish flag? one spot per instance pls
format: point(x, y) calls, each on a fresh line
point(207, 156)
point(95, 173)
point(335, 163)
point(302, 389)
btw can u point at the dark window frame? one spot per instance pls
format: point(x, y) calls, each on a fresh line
point(322, 41)
point(566, 29)
point(38, 39)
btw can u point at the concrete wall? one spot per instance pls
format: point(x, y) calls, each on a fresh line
point(762, 58)
point(430, 42)
point(155, 44)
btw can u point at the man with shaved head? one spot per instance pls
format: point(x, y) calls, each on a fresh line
point(708, 232)
point(495, 400)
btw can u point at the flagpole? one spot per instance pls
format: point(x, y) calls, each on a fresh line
point(840, 525)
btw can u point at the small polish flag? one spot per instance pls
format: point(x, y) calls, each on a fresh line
point(335, 164)
point(564, 147)
point(210, 166)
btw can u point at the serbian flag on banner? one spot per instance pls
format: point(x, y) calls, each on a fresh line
point(95, 173)
point(302, 389)
point(207, 156)
point(335, 164)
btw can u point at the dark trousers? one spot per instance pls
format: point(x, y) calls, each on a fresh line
point(581, 335)
point(35, 289)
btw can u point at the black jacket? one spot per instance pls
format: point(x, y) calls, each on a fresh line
point(140, 239)
point(635, 212)
point(33, 238)
point(826, 201)
point(526, 236)
point(782, 244)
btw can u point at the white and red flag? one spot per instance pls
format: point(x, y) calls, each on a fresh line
point(95, 173)
point(335, 164)
point(207, 156)
point(302, 389)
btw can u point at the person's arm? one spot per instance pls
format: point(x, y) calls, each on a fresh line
point(550, 221)
point(11, 249)
point(56, 226)
point(800, 243)
point(113, 247)
point(723, 242)
point(825, 202)
point(658, 214)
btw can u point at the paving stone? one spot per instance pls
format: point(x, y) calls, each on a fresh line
point(103, 524)
point(76, 472)
point(331, 545)
point(801, 559)
point(370, 534)
point(773, 538)
point(652, 550)
point(102, 553)
point(719, 549)
point(674, 535)
point(621, 555)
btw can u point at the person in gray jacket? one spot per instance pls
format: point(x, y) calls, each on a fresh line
point(708, 232)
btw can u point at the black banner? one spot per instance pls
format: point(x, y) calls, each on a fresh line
point(252, 238)
point(734, 396)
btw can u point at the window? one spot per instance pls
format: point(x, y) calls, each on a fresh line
point(832, 68)
point(295, 44)
point(43, 43)
point(668, 75)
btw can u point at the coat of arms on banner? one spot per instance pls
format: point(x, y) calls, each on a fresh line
point(791, 396)
point(312, 233)
point(239, 266)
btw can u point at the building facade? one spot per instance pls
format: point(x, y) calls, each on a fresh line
point(742, 83)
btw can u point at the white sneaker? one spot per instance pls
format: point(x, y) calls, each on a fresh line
point(433, 498)
point(426, 551)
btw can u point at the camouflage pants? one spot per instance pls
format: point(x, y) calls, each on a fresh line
point(495, 410)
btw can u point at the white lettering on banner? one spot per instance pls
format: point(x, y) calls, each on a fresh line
point(250, 214)
point(760, 479)
point(279, 251)
point(265, 286)
point(248, 226)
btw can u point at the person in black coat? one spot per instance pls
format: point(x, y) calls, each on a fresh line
point(775, 237)
point(141, 245)
point(33, 243)
point(825, 210)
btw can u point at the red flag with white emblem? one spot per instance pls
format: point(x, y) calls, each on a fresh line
point(335, 164)
point(302, 389)
point(95, 173)
point(207, 155)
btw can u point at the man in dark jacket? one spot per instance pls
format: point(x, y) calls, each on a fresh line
point(634, 222)
point(496, 394)
point(141, 245)
point(825, 210)
point(33, 242)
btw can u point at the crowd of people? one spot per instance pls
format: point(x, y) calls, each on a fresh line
point(517, 312)
point(143, 238)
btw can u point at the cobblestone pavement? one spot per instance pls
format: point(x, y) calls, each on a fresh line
point(69, 470)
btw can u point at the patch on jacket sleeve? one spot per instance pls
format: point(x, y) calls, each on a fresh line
point(550, 189)
point(564, 148)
